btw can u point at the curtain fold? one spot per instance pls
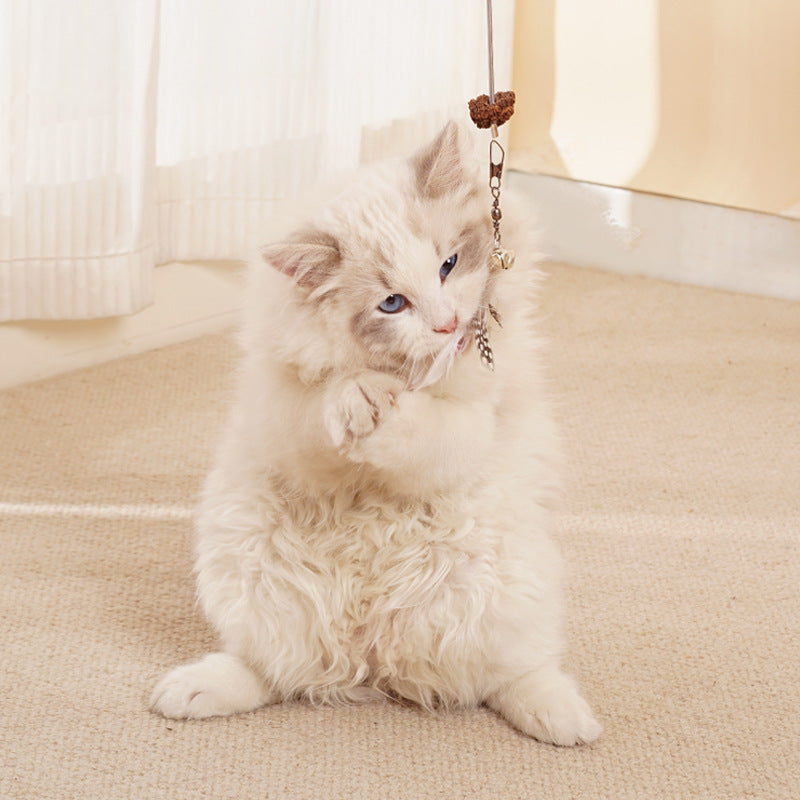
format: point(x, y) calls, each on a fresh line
point(138, 133)
point(77, 175)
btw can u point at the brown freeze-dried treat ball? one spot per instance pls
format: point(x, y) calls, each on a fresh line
point(485, 114)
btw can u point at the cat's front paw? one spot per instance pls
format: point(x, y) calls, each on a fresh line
point(218, 685)
point(546, 705)
point(355, 406)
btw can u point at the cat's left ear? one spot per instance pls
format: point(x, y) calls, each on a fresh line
point(310, 257)
point(439, 166)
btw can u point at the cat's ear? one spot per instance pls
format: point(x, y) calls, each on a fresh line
point(310, 257)
point(438, 167)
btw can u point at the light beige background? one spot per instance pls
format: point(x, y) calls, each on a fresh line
point(699, 99)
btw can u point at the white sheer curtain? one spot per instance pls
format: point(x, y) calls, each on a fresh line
point(137, 132)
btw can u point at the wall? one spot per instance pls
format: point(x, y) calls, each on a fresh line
point(698, 99)
point(191, 299)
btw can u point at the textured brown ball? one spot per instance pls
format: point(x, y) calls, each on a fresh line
point(485, 114)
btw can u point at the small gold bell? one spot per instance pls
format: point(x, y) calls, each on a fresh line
point(502, 259)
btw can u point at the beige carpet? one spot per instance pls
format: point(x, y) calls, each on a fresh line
point(681, 409)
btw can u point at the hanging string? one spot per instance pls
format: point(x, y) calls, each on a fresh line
point(491, 111)
point(490, 52)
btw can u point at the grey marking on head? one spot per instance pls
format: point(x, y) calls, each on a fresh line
point(371, 329)
point(475, 246)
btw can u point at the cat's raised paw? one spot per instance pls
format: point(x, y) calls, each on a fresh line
point(355, 406)
point(217, 686)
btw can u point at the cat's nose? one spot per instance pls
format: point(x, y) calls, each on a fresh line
point(448, 327)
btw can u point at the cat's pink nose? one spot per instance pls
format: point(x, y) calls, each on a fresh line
point(448, 327)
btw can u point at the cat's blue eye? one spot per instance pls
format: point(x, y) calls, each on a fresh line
point(393, 303)
point(447, 267)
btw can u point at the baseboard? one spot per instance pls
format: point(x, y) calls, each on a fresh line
point(191, 299)
point(665, 237)
point(581, 224)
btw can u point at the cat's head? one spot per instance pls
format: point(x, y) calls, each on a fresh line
point(396, 265)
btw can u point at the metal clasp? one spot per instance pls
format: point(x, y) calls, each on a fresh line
point(497, 157)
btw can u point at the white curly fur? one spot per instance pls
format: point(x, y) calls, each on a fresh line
point(366, 532)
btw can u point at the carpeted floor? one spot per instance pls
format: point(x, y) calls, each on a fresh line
point(681, 410)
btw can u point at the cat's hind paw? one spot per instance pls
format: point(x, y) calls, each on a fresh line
point(355, 406)
point(546, 705)
point(216, 686)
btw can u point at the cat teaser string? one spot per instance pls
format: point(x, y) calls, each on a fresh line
point(491, 111)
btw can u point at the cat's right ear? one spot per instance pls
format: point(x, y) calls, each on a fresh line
point(310, 257)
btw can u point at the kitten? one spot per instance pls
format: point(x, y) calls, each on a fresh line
point(376, 523)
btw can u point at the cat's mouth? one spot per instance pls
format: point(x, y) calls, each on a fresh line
point(442, 362)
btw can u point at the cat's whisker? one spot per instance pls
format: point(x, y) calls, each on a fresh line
point(408, 368)
point(439, 367)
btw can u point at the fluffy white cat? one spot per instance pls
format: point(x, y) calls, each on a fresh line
point(376, 522)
